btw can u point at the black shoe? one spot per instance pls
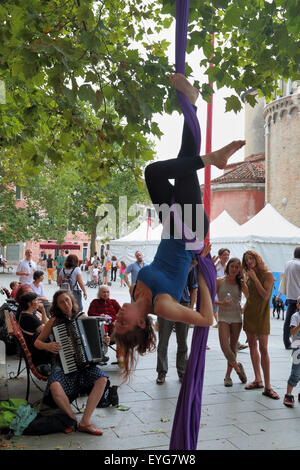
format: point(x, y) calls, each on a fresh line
point(161, 378)
point(288, 400)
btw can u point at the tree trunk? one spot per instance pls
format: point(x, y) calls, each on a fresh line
point(93, 238)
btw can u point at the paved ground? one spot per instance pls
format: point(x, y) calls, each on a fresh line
point(232, 418)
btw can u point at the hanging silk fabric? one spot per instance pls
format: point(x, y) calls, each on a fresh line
point(188, 410)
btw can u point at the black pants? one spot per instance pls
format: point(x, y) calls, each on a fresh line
point(186, 189)
point(113, 273)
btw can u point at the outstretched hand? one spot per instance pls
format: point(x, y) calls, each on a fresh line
point(206, 250)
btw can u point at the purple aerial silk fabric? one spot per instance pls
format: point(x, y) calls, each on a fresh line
point(182, 16)
point(188, 411)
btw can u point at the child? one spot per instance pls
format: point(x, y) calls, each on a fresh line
point(295, 372)
point(122, 270)
point(14, 285)
point(95, 275)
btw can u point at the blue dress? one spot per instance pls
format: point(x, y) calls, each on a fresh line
point(168, 272)
point(74, 384)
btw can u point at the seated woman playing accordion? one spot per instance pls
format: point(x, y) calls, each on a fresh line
point(64, 388)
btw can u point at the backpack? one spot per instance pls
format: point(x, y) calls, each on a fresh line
point(67, 282)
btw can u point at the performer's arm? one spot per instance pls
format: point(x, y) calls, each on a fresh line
point(167, 307)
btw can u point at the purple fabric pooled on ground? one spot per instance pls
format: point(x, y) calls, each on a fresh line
point(188, 410)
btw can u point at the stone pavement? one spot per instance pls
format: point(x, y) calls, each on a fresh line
point(232, 418)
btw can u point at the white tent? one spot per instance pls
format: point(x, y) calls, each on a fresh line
point(144, 239)
point(224, 226)
point(268, 233)
point(268, 223)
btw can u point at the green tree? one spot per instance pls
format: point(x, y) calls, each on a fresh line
point(57, 55)
point(256, 42)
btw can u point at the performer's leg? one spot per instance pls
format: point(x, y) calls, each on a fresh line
point(183, 169)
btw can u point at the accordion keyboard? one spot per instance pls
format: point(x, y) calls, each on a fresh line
point(73, 354)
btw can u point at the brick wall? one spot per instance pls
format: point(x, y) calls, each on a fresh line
point(241, 204)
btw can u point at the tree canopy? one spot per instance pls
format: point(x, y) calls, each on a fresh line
point(256, 42)
point(84, 78)
point(57, 55)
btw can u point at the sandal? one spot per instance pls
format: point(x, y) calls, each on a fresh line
point(227, 381)
point(253, 385)
point(269, 392)
point(242, 374)
point(90, 429)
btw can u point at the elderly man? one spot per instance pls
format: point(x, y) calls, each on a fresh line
point(134, 268)
point(26, 268)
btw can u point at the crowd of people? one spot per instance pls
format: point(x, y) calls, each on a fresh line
point(166, 288)
point(244, 289)
point(37, 315)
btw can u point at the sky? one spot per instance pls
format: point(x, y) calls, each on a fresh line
point(225, 128)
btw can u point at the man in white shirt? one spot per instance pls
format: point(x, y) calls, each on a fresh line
point(26, 268)
point(292, 281)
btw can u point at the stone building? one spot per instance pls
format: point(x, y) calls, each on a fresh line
point(240, 190)
point(282, 150)
point(270, 171)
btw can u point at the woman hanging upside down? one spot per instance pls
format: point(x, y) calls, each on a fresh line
point(159, 286)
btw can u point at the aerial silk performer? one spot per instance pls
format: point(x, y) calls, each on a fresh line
point(160, 284)
point(188, 411)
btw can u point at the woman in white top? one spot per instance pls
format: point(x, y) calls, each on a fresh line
point(229, 291)
point(37, 286)
point(70, 279)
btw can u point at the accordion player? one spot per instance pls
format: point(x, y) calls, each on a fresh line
point(82, 342)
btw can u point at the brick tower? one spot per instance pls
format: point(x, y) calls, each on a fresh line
point(282, 149)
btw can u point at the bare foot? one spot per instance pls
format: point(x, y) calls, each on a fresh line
point(220, 157)
point(181, 83)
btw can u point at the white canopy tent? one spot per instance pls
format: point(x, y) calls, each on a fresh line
point(144, 239)
point(268, 233)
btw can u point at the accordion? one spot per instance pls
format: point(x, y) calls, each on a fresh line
point(82, 343)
